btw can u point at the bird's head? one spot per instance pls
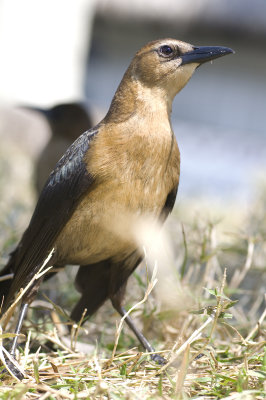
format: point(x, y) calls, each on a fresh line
point(159, 70)
point(169, 63)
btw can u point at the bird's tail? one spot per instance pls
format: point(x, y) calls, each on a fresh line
point(6, 277)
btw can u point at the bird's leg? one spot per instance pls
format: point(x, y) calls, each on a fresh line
point(11, 366)
point(22, 314)
point(27, 299)
point(116, 301)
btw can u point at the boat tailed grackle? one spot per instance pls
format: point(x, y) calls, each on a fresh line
point(122, 170)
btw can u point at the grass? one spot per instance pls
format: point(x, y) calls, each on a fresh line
point(208, 320)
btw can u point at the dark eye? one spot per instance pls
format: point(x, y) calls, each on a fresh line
point(166, 50)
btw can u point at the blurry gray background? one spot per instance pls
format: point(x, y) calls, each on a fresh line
point(218, 118)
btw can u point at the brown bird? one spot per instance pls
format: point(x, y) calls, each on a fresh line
point(125, 169)
point(67, 122)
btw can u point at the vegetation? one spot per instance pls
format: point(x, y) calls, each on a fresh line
point(213, 338)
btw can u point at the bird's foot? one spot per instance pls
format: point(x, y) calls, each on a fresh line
point(12, 368)
point(158, 359)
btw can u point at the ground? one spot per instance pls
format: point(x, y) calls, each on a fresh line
point(202, 305)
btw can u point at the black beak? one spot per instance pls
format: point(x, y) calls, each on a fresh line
point(37, 109)
point(205, 53)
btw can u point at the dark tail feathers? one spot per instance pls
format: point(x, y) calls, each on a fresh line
point(6, 275)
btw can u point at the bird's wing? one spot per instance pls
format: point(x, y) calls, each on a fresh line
point(66, 185)
point(169, 204)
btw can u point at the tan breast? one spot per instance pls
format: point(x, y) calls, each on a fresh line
point(134, 172)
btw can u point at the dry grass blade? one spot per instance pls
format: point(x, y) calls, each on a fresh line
point(219, 305)
point(195, 336)
point(182, 372)
point(5, 318)
point(258, 324)
point(6, 277)
point(240, 274)
point(53, 337)
point(197, 333)
point(234, 362)
point(4, 355)
point(75, 330)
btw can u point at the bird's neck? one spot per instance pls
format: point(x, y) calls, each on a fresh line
point(133, 98)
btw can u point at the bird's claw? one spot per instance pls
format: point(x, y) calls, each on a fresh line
point(158, 359)
point(14, 371)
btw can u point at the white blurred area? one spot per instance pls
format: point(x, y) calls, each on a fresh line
point(43, 47)
point(160, 259)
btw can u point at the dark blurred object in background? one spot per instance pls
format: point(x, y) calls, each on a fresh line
point(67, 122)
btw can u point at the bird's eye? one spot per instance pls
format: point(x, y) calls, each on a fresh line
point(166, 50)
